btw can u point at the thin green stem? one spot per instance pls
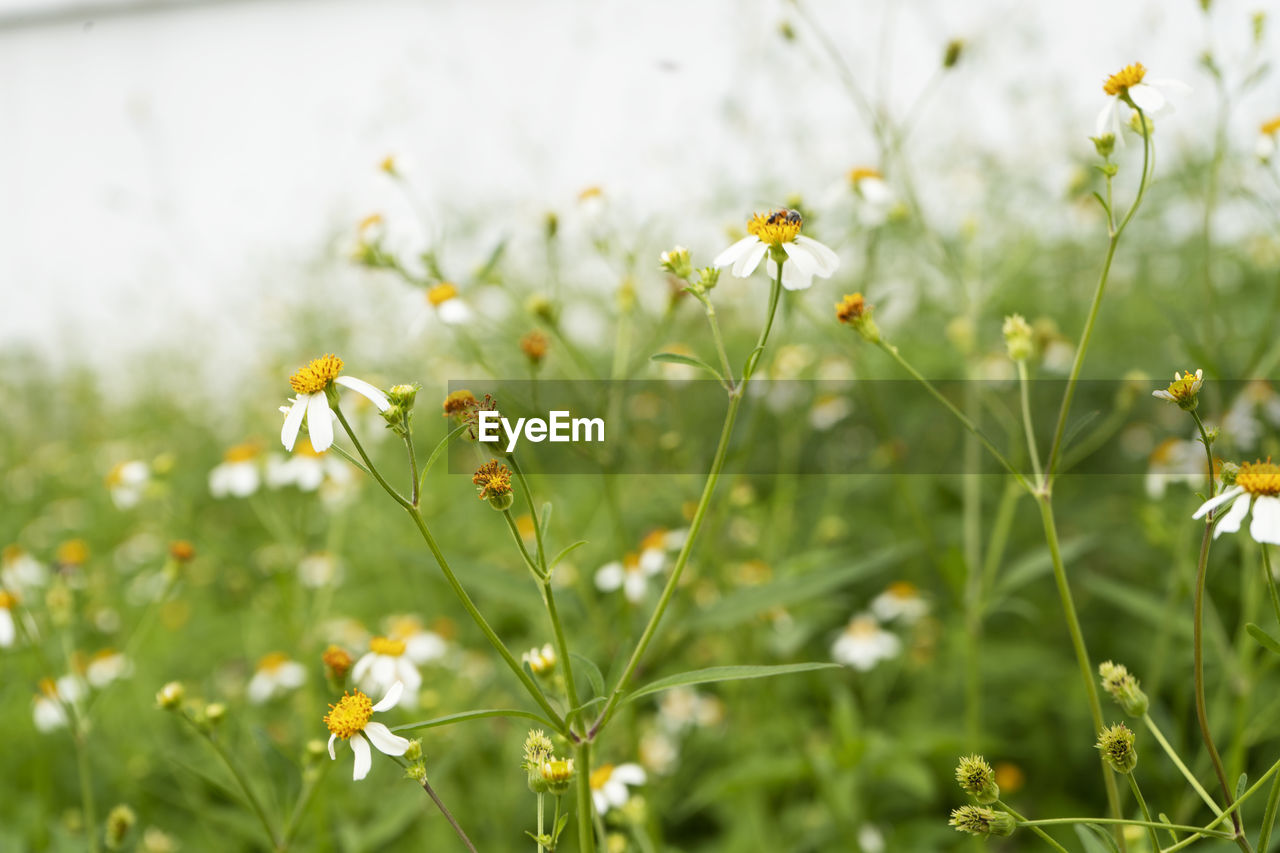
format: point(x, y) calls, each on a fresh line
point(1077, 639)
point(1208, 450)
point(369, 466)
point(310, 784)
point(533, 511)
point(519, 540)
point(699, 515)
point(562, 647)
point(1037, 830)
point(541, 828)
point(586, 829)
point(1173, 756)
point(414, 495)
point(435, 798)
point(86, 788)
point(1027, 425)
point(1197, 651)
point(951, 407)
point(1108, 821)
point(1269, 817)
point(241, 782)
point(1271, 582)
point(719, 339)
point(1146, 813)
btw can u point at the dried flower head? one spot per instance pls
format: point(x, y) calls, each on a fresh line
point(1116, 745)
point(977, 779)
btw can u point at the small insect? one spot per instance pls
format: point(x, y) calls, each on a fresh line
point(778, 217)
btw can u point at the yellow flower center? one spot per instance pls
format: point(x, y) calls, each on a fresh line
point(780, 226)
point(7, 600)
point(336, 660)
point(388, 164)
point(241, 453)
point(861, 173)
point(600, 776)
point(350, 715)
point(273, 661)
point(116, 476)
point(560, 770)
point(73, 552)
point(317, 375)
point(493, 479)
point(370, 221)
point(1259, 478)
point(655, 539)
point(851, 308)
point(49, 688)
point(1127, 77)
point(903, 589)
point(404, 626)
point(441, 293)
point(863, 626)
point(1184, 386)
point(386, 646)
point(589, 193)
point(1270, 128)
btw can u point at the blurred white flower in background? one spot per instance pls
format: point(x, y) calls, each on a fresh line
point(127, 482)
point(901, 600)
point(106, 666)
point(609, 784)
point(863, 643)
point(239, 473)
point(274, 676)
point(387, 663)
point(1175, 460)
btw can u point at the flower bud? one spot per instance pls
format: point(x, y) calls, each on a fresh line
point(541, 661)
point(1123, 688)
point(951, 55)
point(1105, 145)
point(215, 713)
point(1116, 745)
point(182, 551)
point(677, 262)
point(854, 311)
point(1017, 337)
point(170, 696)
point(534, 346)
point(119, 821)
point(557, 773)
point(977, 779)
point(337, 663)
point(983, 821)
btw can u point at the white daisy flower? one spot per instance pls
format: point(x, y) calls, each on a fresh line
point(631, 574)
point(778, 235)
point(238, 475)
point(276, 675)
point(901, 600)
point(683, 708)
point(48, 710)
point(1258, 486)
point(106, 666)
point(8, 627)
point(1183, 390)
point(1130, 85)
point(420, 644)
point(386, 663)
point(310, 383)
point(349, 720)
point(319, 569)
point(127, 482)
point(19, 570)
point(307, 470)
point(863, 644)
point(874, 194)
point(609, 785)
point(541, 661)
point(1268, 139)
point(443, 302)
point(1174, 460)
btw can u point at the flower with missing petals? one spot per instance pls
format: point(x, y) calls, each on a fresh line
point(1184, 390)
point(349, 720)
point(313, 384)
point(777, 234)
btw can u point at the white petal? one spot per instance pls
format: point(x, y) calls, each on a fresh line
point(615, 792)
point(293, 421)
point(875, 191)
point(364, 759)
point(1108, 120)
point(425, 647)
point(598, 799)
point(408, 673)
point(389, 701)
point(361, 668)
point(1163, 395)
point(332, 755)
point(1214, 503)
point(1148, 98)
point(827, 260)
point(7, 630)
point(609, 577)
point(630, 774)
point(386, 742)
point(1265, 526)
point(291, 674)
point(372, 392)
point(1230, 522)
point(634, 586)
point(652, 560)
point(260, 688)
point(1167, 85)
point(319, 422)
point(747, 264)
point(735, 252)
point(453, 312)
point(797, 273)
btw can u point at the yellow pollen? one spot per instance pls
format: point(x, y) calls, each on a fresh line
point(305, 448)
point(1270, 128)
point(386, 646)
point(861, 173)
point(1183, 386)
point(317, 375)
point(116, 476)
point(241, 453)
point(903, 589)
point(863, 626)
point(1259, 478)
point(441, 293)
point(1120, 82)
point(493, 479)
point(7, 600)
point(780, 226)
point(459, 402)
point(388, 164)
point(852, 307)
point(273, 661)
point(590, 193)
point(370, 221)
point(337, 660)
point(600, 775)
point(350, 715)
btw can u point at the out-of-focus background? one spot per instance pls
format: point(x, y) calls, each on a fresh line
point(188, 172)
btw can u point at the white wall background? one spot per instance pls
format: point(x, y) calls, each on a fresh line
point(179, 172)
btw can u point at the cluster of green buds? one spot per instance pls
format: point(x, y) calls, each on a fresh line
point(546, 773)
point(679, 263)
point(1121, 686)
point(1017, 337)
point(1116, 745)
point(417, 761)
point(978, 780)
point(400, 412)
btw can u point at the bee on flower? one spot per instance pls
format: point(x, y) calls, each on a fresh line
point(349, 720)
point(610, 785)
point(1130, 85)
point(127, 482)
point(863, 643)
point(239, 473)
point(313, 384)
point(275, 676)
point(777, 234)
point(1256, 487)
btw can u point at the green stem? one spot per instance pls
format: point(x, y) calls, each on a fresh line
point(1077, 640)
point(86, 789)
point(1269, 817)
point(562, 647)
point(435, 798)
point(1108, 821)
point(310, 784)
point(1146, 813)
point(1173, 756)
point(1197, 649)
point(1027, 425)
point(1271, 582)
point(519, 540)
point(533, 511)
point(699, 515)
point(1208, 450)
point(369, 466)
point(254, 802)
point(1037, 830)
point(413, 461)
point(541, 828)
point(586, 829)
point(719, 339)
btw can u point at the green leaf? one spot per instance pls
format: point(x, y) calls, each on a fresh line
point(724, 673)
point(1264, 639)
point(585, 705)
point(1038, 562)
point(1147, 607)
point(587, 667)
point(566, 552)
point(472, 715)
point(1091, 843)
point(546, 519)
point(1241, 784)
point(435, 454)
point(677, 358)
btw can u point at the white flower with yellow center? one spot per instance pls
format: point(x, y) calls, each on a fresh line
point(1258, 486)
point(19, 570)
point(609, 784)
point(442, 301)
point(349, 720)
point(127, 481)
point(778, 234)
point(1130, 85)
point(420, 645)
point(385, 664)
point(307, 469)
point(1174, 460)
point(312, 385)
point(631, 574)
point(874, 194)
point(276, 675)
point(901, 600)
point(863, 643)
point(1268, 139)
point(238, 474)
point(8, 627)
point(106, 666)
point(682, 708)
point(49, 709)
